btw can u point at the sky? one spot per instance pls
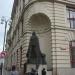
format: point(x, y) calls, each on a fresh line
point(5, 10)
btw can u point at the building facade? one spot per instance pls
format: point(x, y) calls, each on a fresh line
point(54, 23)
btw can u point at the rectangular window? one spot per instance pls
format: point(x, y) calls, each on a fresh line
point(72, 53)
point(71, 17)
point(18, 33)
point(22, 25)
point(17, 56)
point(23, 3)
point(20, 56)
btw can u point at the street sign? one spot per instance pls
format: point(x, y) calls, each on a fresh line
point(3, 54)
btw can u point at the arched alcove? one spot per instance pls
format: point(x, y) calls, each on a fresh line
point(40, 23)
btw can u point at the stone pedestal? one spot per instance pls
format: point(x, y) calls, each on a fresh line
point(29, 67)
point(35, 59)
point(39, 70)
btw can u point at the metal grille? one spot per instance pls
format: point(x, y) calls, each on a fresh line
point(72, 52)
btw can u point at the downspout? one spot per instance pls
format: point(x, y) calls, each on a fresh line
point(54, 72)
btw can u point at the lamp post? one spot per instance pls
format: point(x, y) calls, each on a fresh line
point(1, 67)
point(4, 21)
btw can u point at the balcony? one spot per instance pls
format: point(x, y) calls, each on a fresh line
point(67, 1)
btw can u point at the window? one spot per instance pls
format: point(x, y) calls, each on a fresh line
point(20, 56)
point(17, 56)
point(14, 57)
point(18, 33)
point(22, 25)
point(71, 17)
point(23, 3)
point(72, 53)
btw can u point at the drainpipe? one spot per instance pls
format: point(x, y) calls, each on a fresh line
point(54, 69)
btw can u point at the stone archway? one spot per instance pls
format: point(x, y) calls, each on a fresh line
point(40, 23)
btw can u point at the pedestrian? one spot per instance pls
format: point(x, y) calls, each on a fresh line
point(1, 68)
point(43, 71)
point(33, 71)
point(14, 71)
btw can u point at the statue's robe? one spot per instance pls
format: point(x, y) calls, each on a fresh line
point(34, 54)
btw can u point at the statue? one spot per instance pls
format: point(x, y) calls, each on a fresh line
point(34, 54)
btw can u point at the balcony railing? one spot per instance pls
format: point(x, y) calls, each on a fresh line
point(71, 1)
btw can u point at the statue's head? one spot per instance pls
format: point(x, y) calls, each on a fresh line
point(33, 34)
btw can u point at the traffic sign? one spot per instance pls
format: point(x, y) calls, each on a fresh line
point(3, 54)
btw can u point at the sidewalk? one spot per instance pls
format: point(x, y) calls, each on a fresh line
point(5, 72)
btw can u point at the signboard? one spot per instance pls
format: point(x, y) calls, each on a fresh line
point(3, 54)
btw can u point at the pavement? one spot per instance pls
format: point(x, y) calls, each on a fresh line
point(4, 72)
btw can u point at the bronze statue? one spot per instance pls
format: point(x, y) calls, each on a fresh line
point(34, 54)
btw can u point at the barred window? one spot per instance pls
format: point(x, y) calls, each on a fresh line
point(71, 17)
point(20, 56)
point(72, 52)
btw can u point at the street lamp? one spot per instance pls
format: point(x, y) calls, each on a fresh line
point(6, 22)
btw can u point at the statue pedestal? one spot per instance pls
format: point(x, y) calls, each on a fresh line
point(35, 59)
point(30, 66)
point(41, 68)
point(33, 66)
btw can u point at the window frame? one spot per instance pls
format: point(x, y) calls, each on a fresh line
point(69, 18)
point(72, 47)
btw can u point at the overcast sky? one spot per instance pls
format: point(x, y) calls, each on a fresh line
point(5, 10)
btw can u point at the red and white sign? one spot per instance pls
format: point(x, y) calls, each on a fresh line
point(3, 54)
